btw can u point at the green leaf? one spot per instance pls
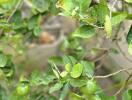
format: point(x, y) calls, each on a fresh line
point(17, 20)
point(74, 96)
point(3, 59)
point(41, 5)
point(56, 73)
point(56, 59)
point(3, 94)
point(63, 74)
point(4, 24)
point(130, 49)
point(37, 31)
point(67, 5)
point(38, 79)
point(129, 36)
point(79, 82)
point(95, 97)
point(84, 4)
point(105, 97)
point(68, 67)
point(69, 60)
point(84, 31)
point(53, 9)
point(129, 1)
point(127, 95)
point(56, 87)
point(4, 1)
point(8, 6)
point(64, 92)
point(118, 18)
point(77, 70)
point(129, 41)
point(47, 79)
point(33, 22)
point(88, 68)
point(55, 70)
point(108, 26)
point(102, 11)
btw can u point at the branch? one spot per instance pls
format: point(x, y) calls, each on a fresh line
point(112, 74)
point(124, 85)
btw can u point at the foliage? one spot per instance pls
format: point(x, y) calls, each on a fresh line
point(70, 76)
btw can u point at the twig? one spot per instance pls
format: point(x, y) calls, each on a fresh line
point(100, 64)
point(124, 85)
point(112, 74)
point(114, 86)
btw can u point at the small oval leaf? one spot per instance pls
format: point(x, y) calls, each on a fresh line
point(76, 70)
point(84, 31)
point(56, 87)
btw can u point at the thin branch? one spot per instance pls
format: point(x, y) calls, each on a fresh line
point(115, 86)
point(101, 62)
point(112, 74)
point(124, 85)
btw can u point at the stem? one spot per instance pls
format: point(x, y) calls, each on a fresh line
point(124, 85)
point(112, 74)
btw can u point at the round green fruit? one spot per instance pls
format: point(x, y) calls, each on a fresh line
point(91, 87)
point(23, 88)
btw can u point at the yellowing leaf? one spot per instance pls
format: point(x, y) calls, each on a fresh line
point(108, 26)
point(68, 67)
point(63, 74)
point(76, 70)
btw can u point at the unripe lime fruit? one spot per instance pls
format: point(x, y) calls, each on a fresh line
point(23, 88)
point(91, 87)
